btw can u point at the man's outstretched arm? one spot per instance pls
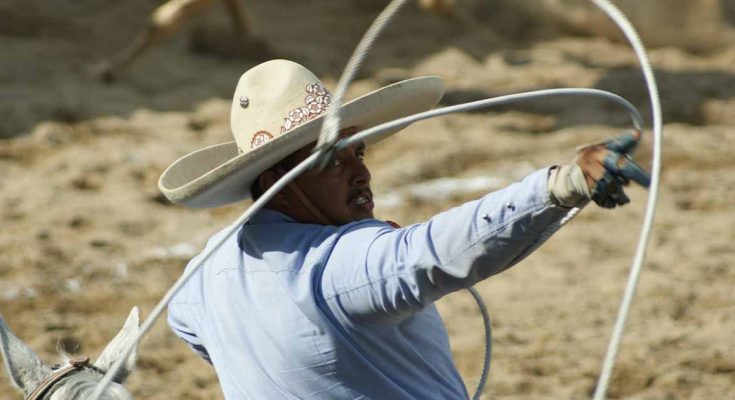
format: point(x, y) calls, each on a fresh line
point(378, 273)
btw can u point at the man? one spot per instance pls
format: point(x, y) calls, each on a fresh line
point(314, 298)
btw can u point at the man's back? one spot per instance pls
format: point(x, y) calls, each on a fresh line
point(263, 312)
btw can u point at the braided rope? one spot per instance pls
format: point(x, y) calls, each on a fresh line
point(328, 144)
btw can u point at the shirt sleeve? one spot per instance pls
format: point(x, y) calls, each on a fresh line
point(376, 273)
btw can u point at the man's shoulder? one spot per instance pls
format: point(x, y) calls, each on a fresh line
point(363, 232)
point(367, 225)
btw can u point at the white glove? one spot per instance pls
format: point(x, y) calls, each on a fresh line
point(568, 186)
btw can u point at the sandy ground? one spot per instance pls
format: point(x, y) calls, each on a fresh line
point(86, 236)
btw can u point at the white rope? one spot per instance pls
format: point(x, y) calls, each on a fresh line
point(488, 342)
point(612, 351)
point(491, 102)
point(327, 143)
point(613, 347)
point(327, 137)
point(311, 162)
point(502, 100)
point(158, 310)
point(330, 128)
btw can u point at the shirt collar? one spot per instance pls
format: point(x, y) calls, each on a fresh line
point(267, 216)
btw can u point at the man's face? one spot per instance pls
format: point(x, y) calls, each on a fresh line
point(341, 191)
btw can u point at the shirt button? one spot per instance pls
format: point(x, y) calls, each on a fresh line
point(510, 206)
point(487, 218)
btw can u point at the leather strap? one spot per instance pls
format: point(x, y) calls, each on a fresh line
point(309, 205)
point(304, 199)
point(75, 364)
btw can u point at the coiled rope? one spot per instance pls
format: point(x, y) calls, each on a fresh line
point(329, 136)
point(327, 144)
point(502, 100)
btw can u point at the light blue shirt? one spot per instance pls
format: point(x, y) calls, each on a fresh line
point(286, 310)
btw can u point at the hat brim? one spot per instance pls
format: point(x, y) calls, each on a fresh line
point(218, 175)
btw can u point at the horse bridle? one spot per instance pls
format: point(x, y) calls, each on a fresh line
point(77, 364)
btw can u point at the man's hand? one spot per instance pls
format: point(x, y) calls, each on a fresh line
point(608, 166)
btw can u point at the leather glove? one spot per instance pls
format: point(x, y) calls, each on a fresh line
point(608, 167)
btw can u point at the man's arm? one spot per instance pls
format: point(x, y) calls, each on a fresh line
point(378, 273)
point(383, 274)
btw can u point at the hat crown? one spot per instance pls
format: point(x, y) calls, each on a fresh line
point(273, 98)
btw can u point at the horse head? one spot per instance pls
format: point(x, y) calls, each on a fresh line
point(77, 377)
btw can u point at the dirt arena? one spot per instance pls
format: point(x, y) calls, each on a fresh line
point(86, 235)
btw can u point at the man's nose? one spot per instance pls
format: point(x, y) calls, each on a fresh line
point(360, 172)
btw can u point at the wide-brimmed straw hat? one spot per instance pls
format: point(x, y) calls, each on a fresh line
point(278, 108)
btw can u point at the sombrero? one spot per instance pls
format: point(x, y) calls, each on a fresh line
point(278, 108)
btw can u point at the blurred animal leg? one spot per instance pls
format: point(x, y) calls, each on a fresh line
point(241, 17)
point(242, 41)
point(164, 22)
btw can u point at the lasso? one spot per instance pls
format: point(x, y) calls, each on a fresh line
point(328, 144)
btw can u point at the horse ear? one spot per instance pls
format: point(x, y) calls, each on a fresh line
point(24, 367)
point(117, 346)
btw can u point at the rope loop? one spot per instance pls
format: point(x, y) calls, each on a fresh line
point(328, 142)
